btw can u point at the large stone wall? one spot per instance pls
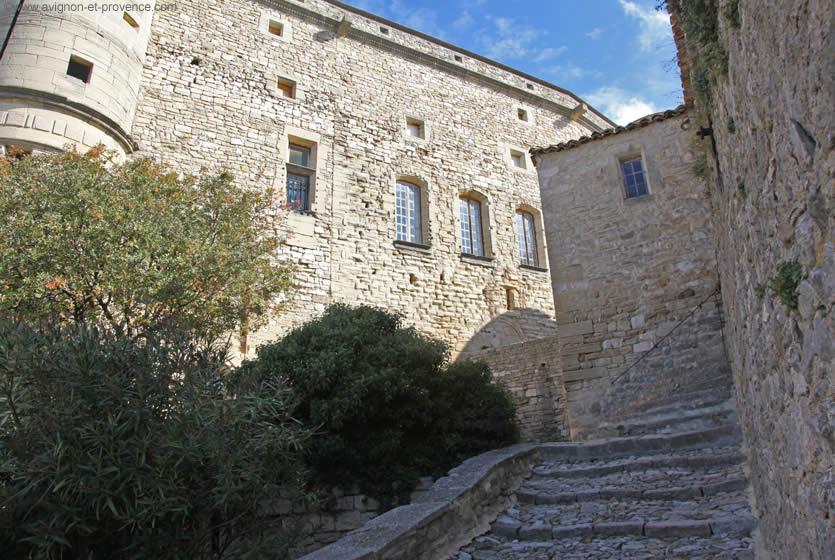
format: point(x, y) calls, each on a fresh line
point(209, 100)
point(627, 272)
point(773, 195)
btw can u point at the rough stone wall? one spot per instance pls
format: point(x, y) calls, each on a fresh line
point(209, 99)
point(773, 129)
point(627, 271)
point(531, 371)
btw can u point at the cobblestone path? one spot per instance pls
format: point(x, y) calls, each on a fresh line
point(665, 495)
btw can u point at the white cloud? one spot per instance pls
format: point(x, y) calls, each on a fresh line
point(595, 33)
point(548, 53)
point(567, 72)
point(655, 25)
point(463, 21)
point(511, 40)
point(619, 105)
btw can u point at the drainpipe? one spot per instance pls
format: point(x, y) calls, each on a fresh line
point(11, 28)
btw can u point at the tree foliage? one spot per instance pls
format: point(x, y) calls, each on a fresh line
point(115, 448)
point(386, 405)
point(83, 239)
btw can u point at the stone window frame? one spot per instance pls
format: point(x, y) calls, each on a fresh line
point(264, 26)
point(528, 111)
point(508, 152)
point(273, 78)
point(425, 228)
point(486, 228)
point(312, 141)
point(425, 125)
point(629, 153)
point(539, 237)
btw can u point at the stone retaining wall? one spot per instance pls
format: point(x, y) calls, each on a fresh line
point(455, 510)
point(531, 370)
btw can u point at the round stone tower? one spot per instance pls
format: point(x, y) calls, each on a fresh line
point(70, 74)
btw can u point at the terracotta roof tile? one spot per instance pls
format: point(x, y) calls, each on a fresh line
point(639, 123)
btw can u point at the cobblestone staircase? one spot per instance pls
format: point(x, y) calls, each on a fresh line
point(669, 484)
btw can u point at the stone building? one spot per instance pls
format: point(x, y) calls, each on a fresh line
point(405, 158)
point(633, 265)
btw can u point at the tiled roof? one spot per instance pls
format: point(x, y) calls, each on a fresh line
point(640, 123)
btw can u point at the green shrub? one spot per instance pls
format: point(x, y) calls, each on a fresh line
point(785, 283)
point(732, 13)
point(110, 448)
point(134, 246)
point(387, 407)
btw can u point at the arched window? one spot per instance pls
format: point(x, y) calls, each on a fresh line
point(472, 236)
point(526, 232)
point(407, 208)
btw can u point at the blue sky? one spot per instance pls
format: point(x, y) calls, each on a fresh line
point(618, 55)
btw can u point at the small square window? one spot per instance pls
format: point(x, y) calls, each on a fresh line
point(634, 180)
point(415, 128)
point(530, 86)
point(130, 21)
point(80, 69)
point(459, 58)
point(287, 88)
point(276, 28)
point(384, 30)
point(517, 158)
point(522, 114)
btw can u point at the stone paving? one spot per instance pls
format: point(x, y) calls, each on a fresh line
point(687, 501)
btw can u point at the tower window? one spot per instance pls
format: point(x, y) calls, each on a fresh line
point(634, 181)
point(80, 69)
point(522, 114)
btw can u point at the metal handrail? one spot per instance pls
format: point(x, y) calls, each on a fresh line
point(666, 336)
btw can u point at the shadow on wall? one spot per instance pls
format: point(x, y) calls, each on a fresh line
point(522, 350)
point(510, 328)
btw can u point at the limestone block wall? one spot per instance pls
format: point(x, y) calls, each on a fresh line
point(531, 371)
point(41, 105)
point(209, 99)
point(626, 271)
point(773, 193)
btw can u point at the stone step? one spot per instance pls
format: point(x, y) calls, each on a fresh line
point(643, 445)
point(720, 514)
point(716, 547)
point(698, 458)
point(732, 526)
point(620, 489)
point(676, 420)
point(716, 391)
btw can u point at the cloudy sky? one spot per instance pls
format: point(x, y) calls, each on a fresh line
point(618, 55)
